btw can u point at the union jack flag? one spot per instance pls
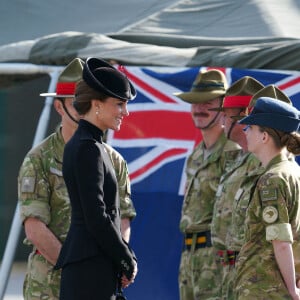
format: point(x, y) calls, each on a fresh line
point(159, 133)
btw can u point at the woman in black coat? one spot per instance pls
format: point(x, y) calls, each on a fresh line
point(94, 256)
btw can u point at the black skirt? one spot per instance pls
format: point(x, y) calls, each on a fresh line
point(91, 279)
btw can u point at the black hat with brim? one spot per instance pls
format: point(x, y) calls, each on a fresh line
point(104, 78)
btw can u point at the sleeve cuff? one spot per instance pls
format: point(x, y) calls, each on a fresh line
point(279, 232)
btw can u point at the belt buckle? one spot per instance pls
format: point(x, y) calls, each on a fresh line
point(232, 257)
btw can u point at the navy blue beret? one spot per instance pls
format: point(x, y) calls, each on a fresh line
point(270, 112)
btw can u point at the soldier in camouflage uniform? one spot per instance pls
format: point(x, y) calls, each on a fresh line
point(231, 188)
point(43, 198)
point(235, 229)
point(199, 276)
point(268, 261)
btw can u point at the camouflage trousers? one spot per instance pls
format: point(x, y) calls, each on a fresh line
point(228, 273)
point(42, 282)
point(228, 282)
point(199, 275)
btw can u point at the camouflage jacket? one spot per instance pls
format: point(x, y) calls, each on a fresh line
point(203, 175)
point(42, 191)
point(273, 214)
point(233, 191)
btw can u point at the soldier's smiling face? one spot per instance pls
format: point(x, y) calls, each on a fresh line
point(201, 113)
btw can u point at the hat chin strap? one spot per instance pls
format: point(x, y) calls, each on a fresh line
point(211, 122)
point(232, 125)
point(214, 119)
point(67, 112)
point(230, 129)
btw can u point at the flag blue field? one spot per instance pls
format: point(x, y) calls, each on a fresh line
point(155, 139)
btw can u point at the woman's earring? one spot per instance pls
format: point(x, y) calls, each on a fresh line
point(97, 112)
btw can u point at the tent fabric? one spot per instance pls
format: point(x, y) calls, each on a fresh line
point(31, 19)
point(59, 49)
point(225, 33)
point(224, 19)
point(206, 18)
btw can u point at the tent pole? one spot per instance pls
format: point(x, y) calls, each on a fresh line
point(15, 230)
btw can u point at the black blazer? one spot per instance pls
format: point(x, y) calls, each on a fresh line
point(92, 187)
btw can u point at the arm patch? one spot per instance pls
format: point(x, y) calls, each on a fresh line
point(268, 194)
point(270, 214)
point(27, 184)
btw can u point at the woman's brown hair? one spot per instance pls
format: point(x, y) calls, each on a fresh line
point(284, 139)
point(83, 96)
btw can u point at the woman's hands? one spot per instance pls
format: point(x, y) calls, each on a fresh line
point(125, 282)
